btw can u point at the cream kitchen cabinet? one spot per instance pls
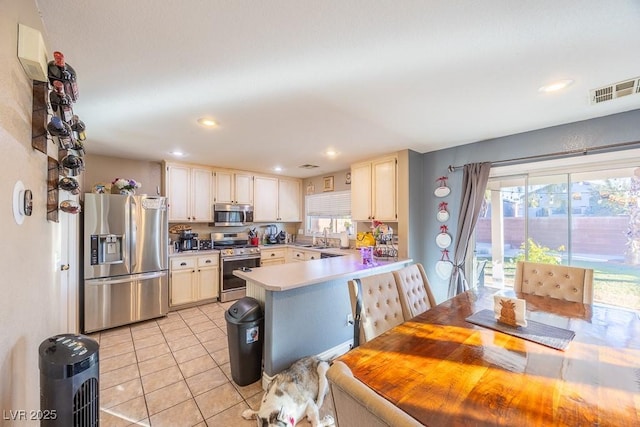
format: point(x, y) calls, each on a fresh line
point(193, 279)
point(311, 255)
point(272, 256)
point(233, 187)
point(374, 190)
point(297, 254)
point(289, 200)
point(189, 192)
point(276, 199)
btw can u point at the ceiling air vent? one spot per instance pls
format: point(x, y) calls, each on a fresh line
point(308, 166)
point(615, 90)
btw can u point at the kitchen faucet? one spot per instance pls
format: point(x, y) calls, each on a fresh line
point(324, 237)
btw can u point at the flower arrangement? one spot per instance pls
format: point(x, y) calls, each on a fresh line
point(124, 186)
point(381, 231)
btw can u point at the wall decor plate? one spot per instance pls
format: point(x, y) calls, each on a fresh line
point(442, 216)
point(444, 269)
point(443, 240)
point(442, 191)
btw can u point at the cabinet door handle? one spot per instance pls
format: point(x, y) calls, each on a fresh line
point(208, 261)
point(182, 264)
point(64, 267)
point(273, 254)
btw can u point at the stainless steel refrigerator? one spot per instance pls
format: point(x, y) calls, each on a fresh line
point(125, 260)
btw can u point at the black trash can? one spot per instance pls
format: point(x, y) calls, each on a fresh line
point(245, 326)
point(69, 381)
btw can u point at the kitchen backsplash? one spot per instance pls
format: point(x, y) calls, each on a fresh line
point(204, 231)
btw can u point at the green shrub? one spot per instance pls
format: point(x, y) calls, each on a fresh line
point(538, 253)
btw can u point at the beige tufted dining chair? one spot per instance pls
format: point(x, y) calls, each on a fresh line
point(555, 281)
point(380, 304)
point(356, 404)
point(415, 293)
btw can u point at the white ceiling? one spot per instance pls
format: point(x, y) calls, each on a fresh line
point(289, 79)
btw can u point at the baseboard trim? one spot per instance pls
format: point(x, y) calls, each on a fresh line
point(329, 355)
point(336, 351)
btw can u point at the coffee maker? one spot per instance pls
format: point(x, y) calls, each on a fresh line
point(188, 241)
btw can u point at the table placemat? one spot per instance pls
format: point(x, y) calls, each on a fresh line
point(548, 335)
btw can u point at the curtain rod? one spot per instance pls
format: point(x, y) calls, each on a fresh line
point(583, 151)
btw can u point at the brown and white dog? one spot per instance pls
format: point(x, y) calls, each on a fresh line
point(293, 394)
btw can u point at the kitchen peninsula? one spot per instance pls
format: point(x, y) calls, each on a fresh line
point(306, 306)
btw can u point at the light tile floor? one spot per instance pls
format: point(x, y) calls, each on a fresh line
point(174, 371)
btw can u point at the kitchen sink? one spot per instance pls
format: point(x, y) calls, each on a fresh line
point(306, 245)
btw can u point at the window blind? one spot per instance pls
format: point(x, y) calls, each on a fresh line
point(329, 205)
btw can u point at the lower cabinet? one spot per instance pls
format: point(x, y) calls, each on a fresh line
point(193, 279)
point(272, 256)
point(295, 254)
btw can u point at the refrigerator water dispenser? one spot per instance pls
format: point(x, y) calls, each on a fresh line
point(106, 249)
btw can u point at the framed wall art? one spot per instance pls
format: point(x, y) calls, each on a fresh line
point(327, 183)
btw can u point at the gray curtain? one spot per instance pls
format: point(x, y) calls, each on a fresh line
point(474, 183)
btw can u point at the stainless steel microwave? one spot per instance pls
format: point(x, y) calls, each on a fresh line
point(232, 214)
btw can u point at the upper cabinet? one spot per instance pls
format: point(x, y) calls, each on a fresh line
point(192, 191)
point(289, 200)
point(189, 191)
point(265, 207)
point(276, 199)
point(374, 189)
point(233, 187)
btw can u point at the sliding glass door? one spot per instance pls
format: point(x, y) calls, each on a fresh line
point(587, 219)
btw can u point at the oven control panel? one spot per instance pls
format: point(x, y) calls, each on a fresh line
point(229, 252)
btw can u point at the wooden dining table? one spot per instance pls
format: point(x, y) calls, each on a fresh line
point(445, 371)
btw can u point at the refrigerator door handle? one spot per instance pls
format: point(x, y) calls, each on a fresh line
point(125, 279)
point(132, 232)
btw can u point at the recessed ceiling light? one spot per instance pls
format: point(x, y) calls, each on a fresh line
point(278, 169)
point(176, 153)
point(207, 122)
point(561, 84)
point(331, 153)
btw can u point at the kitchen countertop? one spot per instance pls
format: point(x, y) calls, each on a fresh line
point(284, 277)
point(204, 252)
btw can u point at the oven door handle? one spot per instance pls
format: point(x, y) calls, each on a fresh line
point(240, 258)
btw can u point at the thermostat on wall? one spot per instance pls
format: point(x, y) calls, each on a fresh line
point(22, 202)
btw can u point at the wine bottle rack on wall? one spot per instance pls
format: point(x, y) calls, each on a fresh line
point(53, 175)
point(44, 109)
point(40, 115)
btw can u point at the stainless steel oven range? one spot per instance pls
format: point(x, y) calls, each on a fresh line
point(235, 253)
